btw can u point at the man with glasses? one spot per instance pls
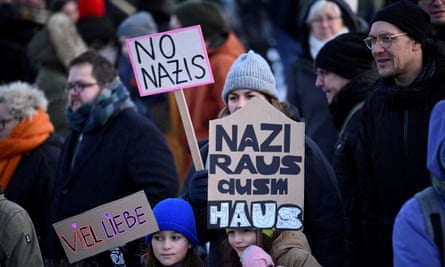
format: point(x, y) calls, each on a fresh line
point(111, 152)
point(392, 137)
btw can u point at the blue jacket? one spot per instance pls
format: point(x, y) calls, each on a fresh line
point(412, 244)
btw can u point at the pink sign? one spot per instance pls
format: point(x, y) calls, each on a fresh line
point(169, 61)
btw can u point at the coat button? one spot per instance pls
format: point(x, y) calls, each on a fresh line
point(64, 192)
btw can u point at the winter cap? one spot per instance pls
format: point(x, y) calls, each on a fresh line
point(91, 8)
point(138, 24)
point(408, 17)
point(436, 141)
point(249, 71)
point(346, 55)
point(204, 13)
point(176, 214)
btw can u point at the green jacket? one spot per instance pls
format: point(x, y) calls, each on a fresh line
point(18, 240)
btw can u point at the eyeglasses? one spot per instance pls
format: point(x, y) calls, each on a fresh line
point(384, 40)
point(77, 86)
point(320, 20)
point(3, 123)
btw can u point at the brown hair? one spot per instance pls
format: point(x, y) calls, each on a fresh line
point(231, 258)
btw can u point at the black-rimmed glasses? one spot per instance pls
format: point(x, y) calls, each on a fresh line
point(77, 86)
point(384, 40)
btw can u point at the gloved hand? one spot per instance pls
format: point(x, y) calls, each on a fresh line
point(198, 189)
point(254, 256)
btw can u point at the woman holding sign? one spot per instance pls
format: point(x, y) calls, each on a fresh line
point(250, 76)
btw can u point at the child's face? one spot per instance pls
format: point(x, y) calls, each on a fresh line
point(169, 247)
point(240, 239)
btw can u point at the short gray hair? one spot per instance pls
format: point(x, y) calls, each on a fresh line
point(22, 99)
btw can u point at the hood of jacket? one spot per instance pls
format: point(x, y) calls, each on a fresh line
point(436, 141)
point(350, 21)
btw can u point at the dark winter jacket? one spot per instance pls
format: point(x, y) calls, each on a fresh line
point(124, 156)
point(32, 183)
point(346, 109)
point(392, 144)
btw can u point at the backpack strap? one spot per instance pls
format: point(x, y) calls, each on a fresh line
point(434, 217)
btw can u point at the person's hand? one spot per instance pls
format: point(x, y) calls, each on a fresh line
point(255, 256)
point(198, 189)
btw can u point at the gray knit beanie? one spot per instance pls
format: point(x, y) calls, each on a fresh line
point(250, 71)
point(138, 24)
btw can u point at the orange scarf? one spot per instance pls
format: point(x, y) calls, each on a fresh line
point(26, 135)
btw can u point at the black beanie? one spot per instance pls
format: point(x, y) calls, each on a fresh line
point(346, 55)
point(408, 17)
point(204, 13)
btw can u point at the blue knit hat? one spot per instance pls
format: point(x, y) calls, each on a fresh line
point(249, 71)
point(176, 214)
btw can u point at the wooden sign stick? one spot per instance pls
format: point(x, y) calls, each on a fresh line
point(189, 131)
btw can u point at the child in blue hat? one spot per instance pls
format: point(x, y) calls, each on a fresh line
point(174, 243)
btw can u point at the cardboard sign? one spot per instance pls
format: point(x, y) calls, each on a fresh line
point(105, 227)
point(256, 169)
point(169, 60)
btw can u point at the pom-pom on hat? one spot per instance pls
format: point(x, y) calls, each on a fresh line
point(346, 55)
point(408, 17)
point(204, 13)
point(91, 8)
point(250, 71)
point(138, 24)
point(176, 214)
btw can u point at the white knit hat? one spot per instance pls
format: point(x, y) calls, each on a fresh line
point(250, 71)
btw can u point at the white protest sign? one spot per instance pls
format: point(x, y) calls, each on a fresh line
point(169, 61)
point(256, 169)
point(106, 227)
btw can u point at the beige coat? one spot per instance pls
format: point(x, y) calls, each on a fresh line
point(291, 249)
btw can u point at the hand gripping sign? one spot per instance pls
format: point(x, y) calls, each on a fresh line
point(256, 169)
point(171, 61)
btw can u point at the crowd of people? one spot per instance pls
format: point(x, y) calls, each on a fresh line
point(75, 133)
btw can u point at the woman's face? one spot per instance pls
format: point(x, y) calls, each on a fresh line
point(326, 23)
point(7, 122)
point(238, 98)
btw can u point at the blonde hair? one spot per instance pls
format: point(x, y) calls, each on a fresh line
point(22, 99)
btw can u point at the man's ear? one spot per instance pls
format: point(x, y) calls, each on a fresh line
point(417, 46)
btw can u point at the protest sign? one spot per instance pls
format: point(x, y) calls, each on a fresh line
point(256, 169)
point(169, 60)
point(105, 227)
